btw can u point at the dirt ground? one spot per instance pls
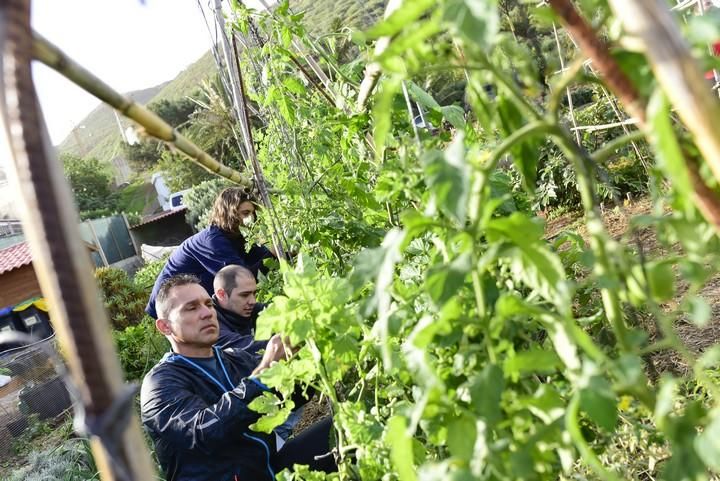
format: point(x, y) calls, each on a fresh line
point(695, 338)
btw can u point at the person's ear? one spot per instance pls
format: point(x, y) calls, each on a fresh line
point(163, 325)
point(221, 294)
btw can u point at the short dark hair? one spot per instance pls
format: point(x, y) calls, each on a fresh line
point(226, 278)
point(164, 292)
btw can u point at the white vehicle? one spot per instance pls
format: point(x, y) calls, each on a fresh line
point(175, 201)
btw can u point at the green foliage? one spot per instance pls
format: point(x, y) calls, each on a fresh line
point(91, 183)
point(70, 461)
point(453, 340)
point(124, 301)
point(145, 155)
point(323, 17)
point(145, 277)
point(97, 135)
point(199, 201)
point(140, 348)
point(136, 197)
point(180, 174)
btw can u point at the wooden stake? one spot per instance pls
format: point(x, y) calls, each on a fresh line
point(669, 57)
point(60, 259)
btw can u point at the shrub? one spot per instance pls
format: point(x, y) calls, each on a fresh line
point(72, 460)
point(139, 347)
point(145, 276)
point(124, 301)
point(199, 202)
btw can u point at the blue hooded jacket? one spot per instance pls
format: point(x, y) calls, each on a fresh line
point(204, 254)
point(199, 423)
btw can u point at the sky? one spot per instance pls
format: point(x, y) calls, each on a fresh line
point(129, 44)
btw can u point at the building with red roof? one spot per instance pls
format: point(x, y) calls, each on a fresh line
point(17, 277)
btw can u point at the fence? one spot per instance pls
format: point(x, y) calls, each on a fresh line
point(35, 392)
point(111, 235)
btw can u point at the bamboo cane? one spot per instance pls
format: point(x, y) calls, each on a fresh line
point(373, 69)
point(53, 57)
point(707, 200)
point(59, 258)
point(651, 22)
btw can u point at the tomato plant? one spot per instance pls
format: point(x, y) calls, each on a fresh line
point(452, 337)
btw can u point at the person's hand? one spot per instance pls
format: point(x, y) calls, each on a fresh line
point(274, 351)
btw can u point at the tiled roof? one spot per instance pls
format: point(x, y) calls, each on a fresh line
point(14, 256)
point(159, 216)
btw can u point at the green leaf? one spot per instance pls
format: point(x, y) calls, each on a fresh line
point(707, 444)
point(461, 437)
point(448, 176)
point(294, 85)
point(517, 227)
point(486, 391)
point(598, 400)
point(665, 403)
point(275, 413)
point(398, 20)
point(700, 311)
point(401, 451)
point(382, 113)
point(629, 372)
point(531, 361)
point(455, 115)
point(535, 264)
point(665, 144)
point(546, 404)
point(445, 280)
point(476, 20)
point(270, 421)
point(525, 153)
point(704, 29)
point(661, 280)
point(421, 97)
point(425, 330)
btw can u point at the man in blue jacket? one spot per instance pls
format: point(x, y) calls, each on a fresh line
point(237, 311)
point(194, 402)
point(236, 306)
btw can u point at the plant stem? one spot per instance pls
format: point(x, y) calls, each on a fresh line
point(601, 155)
point(572, 425)
point(598, 235)
point(482, 314)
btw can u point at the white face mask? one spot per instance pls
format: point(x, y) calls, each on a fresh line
point(248, 221)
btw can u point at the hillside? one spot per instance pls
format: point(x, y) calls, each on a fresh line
point(98, 132)
point(323, 16)
point(92, 133)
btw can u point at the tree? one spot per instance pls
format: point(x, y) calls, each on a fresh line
point(177, 113)
point(90, 181)
point(174, 112)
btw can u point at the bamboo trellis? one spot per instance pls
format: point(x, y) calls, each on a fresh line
point(673, 65)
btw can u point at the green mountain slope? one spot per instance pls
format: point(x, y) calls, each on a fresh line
point(323, 16)
point(97, 135)
point(92, 133)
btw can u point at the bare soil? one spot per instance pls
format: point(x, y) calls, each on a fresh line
point(697, 339)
